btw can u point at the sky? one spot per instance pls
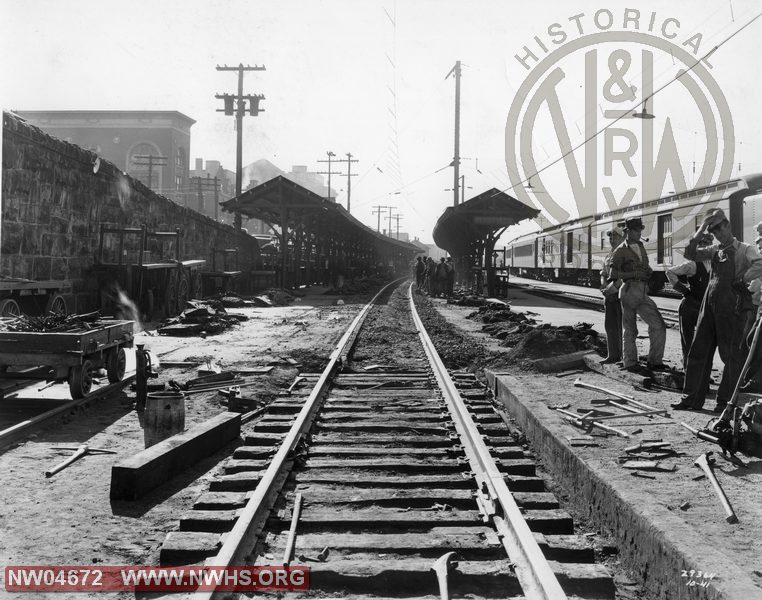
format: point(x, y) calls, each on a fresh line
point(369, 78)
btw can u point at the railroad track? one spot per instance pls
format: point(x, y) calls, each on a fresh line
point(587, 301)
point(370, 474)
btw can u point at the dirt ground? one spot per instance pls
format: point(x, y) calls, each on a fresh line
point(68, 519)
point(731, 551)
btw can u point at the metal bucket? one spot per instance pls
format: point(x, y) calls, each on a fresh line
point(164, 416)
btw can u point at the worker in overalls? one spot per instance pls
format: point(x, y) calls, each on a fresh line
point(726, 310)
point(612, 307)
point(629, 266)
point(690, 279)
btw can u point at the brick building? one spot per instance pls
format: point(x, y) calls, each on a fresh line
point(127, 138)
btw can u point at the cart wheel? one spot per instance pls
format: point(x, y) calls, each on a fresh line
point(80, 379)
point(56, 305)
point(196, 286)
point(183, 291)
point(9, 308)
point(170, 295)
point(116, 363)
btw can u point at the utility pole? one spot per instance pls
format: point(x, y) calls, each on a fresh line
point(329, 172)
point(397, 218)
point(462, 189)
point(377, 210)
point(349, 160)
point(235, 104)
point(206, 184)
point(456, 159)
point(149, 160)
point(389, 218)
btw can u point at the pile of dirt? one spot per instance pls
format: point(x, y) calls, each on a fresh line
point(546, 340)
point(527, 340)
point(279, 296)
point(200, 318)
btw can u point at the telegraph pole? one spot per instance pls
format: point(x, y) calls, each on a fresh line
point(389, 218)
point(149, 160)
point(349, 160)
point(236, 105)
point(456, 159)
point(397, 218)
point(329, 172)
point(205, 184)
point(377, 210)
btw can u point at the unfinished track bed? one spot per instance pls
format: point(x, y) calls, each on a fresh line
point(384, 483)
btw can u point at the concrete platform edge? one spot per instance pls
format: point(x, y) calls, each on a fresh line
point(655, 553)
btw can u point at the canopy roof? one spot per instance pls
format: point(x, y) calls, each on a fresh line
point(280, 201)
point(460, 229)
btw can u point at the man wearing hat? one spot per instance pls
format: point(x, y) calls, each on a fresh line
point(726, 310)
point(630, 265)
point(612, 306)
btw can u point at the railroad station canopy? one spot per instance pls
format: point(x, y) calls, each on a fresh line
point(461, 227)
point(280, 201)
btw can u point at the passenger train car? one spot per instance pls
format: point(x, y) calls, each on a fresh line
point(573, 252)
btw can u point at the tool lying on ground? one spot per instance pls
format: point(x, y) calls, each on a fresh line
point(296, 513)
point(705, 462)
point(80, 451)
point(584, 422)
point(632, 405)
point(442, 567)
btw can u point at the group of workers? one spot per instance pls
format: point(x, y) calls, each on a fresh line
point(717, 311)
point(435, 278)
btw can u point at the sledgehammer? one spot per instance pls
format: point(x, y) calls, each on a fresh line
point(705, 463)
point(442, 568)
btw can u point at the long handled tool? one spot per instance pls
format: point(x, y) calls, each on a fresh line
point(730, 409)
point(80, 451)
point(442, 568)
point(629, 399)
point(292, 531)
point(705, 463)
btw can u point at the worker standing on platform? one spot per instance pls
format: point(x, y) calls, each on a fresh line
point(726, 309)
point(630, 265)
point(612, 306)
point(450, 276)
point(689, 279)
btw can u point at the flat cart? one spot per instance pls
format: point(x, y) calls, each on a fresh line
point(68, 356)
point(149, 271)
point(224, 279)
point(32, 297)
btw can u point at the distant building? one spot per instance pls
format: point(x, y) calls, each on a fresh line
point(201, 196)
point(263, 170)
point(150, 145)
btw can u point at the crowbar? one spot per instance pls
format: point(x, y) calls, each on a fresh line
point(292, 531)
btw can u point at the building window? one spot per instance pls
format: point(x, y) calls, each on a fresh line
point(180, 159)
point(664, 242)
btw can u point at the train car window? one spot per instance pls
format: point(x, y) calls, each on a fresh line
point(569, 247)
point(664, 242)
point(579, 242)
point(699, 220)
point(603, 240)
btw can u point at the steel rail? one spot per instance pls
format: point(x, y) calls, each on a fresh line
point(243, 535)
point(537, 579)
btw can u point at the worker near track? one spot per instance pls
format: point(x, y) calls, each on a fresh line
point(613, 308)
point(420, 272)
point(450, 276)
point(630, 272)
point(726, 312)
point(690, 280)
